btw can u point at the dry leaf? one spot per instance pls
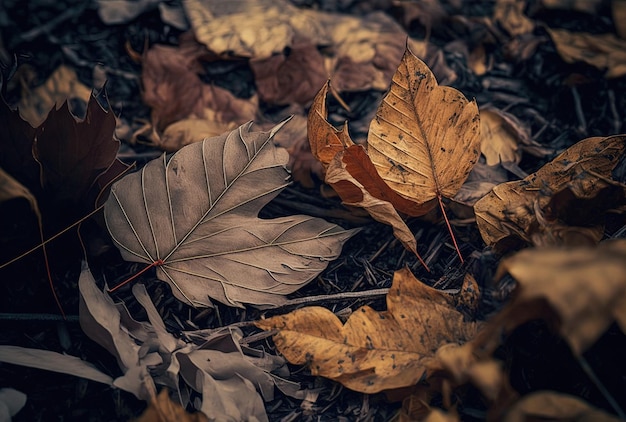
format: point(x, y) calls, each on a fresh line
point(62, 85)
point(193, 129)
point(198, 223)
point(509, 209)
point(291, 77)
point(604, 51)
point(374, 351)
point(115, 12)
point(425, 138)
point(618, 7)
point(510, 15)
point(11, 402)
point(554, 406)
point(585, 288)
point(53, 361)
point(163, 409)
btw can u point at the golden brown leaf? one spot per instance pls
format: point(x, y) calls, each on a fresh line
point(604, 51)
point(425, 138)
point(554, 406)
point(584, 287)
point(163, 409)
point(374, 351)
point(510, 208)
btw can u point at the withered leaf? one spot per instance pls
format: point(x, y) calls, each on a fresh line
point(194, 215)
point(585, 168)
point(425, 138)
point(163, 409)
point(510, 14)
point(584, 287)
point(374, 351)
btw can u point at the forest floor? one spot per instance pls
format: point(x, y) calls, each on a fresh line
point(557, 104)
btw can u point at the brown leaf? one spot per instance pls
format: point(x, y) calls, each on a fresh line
point(374, 351)
point(509, 209)
point(604, 51)
point(216, 246)
point(510, 15)
point(61, 85)
point(72, 154)
point(618, 7)
point(163, 409)
point(554, 406)
point(425, 138)
point(585, 288)
point(292, 77)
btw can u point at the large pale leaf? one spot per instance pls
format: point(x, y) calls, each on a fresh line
point(195, 214)
point(375, 351)
point(425, 138)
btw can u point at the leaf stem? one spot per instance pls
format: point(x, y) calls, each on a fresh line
point(445, 217)
point(156, 263)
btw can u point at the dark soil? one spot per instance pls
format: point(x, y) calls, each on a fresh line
point(43, 34)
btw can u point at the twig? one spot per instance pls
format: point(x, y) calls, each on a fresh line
point(617, 123)
point(336, 297)
point(607, 395)
point(37, 317)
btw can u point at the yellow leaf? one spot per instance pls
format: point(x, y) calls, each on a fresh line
point(425, 138)
point(374, 351)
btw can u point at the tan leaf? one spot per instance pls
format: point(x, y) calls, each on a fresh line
point(193, 129)
point(425, 138)
point(585, 288)
point(604, 51)
point(163, 409)
point(374, 351)
point(510, 14)
point(554, 406)
point(197, 222)
point(61, 85)
point(509, 209)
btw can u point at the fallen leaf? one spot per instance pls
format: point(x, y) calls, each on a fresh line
point(290, 77)
point(115, 12)
point(163, 409)
point(52, 361)
point(618, 7)
point(554, 406)
point(603, 51)
point(61, 85)
point(585, 288)
point(509, 209)
point(510, 15)
point(374, 351)
point(11, 402)
point(193, 129)
point(216, 246)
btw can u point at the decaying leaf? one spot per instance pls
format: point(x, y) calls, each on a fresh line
point(604, 51)
point(510, 14)
point(163, 409)
point(196, 220)
point(374, 351)
point(61, 85)
point(585, 168)
point(554, 406)
point(584, 287)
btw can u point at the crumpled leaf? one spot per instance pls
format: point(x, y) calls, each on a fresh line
point(52, 361)
point(374, 351)
point(603, 51)
point(509, 209)
point(61, 85)
point(174, 90)
point(585, 287)
point(510, 15)
point(163, 409)
point(11, 402)
point(554, 406)
point(215, 245)
point(365, 50)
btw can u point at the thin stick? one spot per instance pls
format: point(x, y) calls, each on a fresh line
point(443, 211)
point(336, 297)
point(52, 238)
point(609, 398)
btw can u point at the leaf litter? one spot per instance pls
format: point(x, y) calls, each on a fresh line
point(564, 216)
